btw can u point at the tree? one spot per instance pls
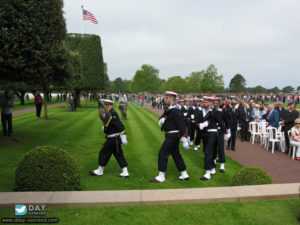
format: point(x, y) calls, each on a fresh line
point(31, 40)
point(298, 89)
point(176, 83)
point(146, 79)
point(212, 82)
point(288, 89)
point(194, 81)
point(274, 90)
point(119, 85)
point(237, 84)
point(257, 89)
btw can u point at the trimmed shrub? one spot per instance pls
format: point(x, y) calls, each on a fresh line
point(47, 168)
point(250, 176)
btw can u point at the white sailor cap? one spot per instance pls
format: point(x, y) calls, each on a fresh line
point(171, 93)
point(216, 98)
point(208, 97)
point(107, 101)
point(201, 99)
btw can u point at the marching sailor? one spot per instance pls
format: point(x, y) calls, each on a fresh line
point(210, 134)
point(223, 134)
point(175, 130)
point(199, 117)
point(115, 136)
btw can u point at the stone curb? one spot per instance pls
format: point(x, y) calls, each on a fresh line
point(160, 196)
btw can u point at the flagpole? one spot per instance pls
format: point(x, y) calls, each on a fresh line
point(82, 21)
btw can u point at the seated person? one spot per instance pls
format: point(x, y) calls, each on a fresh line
point(296, 137)
point(256, 114)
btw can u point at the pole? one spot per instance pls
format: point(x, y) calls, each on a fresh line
point(82, 22)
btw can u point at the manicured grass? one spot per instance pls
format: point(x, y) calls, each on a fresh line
point(30, 104)
point(80, 134)
point(273, 212)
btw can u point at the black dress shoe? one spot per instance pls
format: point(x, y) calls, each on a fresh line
point(222, 170)
point(233, 149)
point(93, 174)
point(119, 175)
point(204, 178)
point(153, 180)
point(187, 178)
point(228, 147)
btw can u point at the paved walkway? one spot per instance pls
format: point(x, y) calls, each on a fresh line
point(279, 166)
point(21, 111)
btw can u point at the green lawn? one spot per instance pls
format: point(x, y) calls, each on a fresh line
point(80, 134)
point(281, 212)
point(30, 104)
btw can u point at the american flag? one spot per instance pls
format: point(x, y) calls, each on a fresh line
point(89, 16)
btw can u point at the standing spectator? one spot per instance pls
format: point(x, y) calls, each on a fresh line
point(233, 115)
point(289, 121)
point(244, 116)
point(296, 137)
point(71, 102)
point(6, 114)
point(280, 109)
point(38, 100)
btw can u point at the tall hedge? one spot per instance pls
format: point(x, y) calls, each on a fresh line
point(93, 68)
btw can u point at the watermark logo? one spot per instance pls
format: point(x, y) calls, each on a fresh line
point(20, 210)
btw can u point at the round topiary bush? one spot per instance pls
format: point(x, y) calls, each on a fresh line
point(250, 176)
point(47, 168)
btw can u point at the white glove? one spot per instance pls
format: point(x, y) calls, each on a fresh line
point(185, 143)
point(228, 132)
point(123, 139)
point(239, 128)
point(192, 117)
point(185, 114)
point(161, 121)
point(103, 128)
point(226, 137)
point(203, 125)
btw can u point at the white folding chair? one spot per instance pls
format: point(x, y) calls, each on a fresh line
point(263, 134)
point(294, 145)
point(253, 129)
point(273, 138)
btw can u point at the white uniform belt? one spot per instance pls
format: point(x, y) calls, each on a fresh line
point(113, 135)
point(172, 131)
point(212, 130)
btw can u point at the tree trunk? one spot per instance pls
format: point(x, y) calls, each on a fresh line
point(45, 104)
point(66, 102)
point(23, 92)
point(77, 96)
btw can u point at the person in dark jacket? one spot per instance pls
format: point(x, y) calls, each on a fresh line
point(289, 121)
point(115, 136)
point(233, 115)
point(175, 130)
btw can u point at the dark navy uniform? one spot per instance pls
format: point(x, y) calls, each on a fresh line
point(192, 122)
point(210, 135)
point(199, 133)
point(112, 145)
point(174, 128)
point(222, 124)
point(233, 115)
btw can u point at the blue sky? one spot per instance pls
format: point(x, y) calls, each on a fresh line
point(258, 39)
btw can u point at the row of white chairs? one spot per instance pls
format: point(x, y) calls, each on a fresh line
point(270, 135)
